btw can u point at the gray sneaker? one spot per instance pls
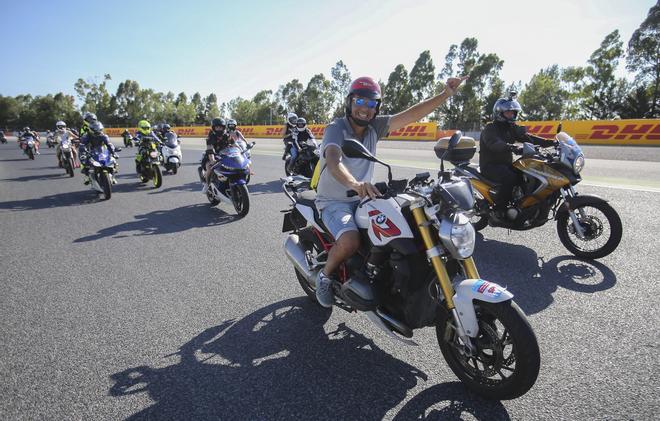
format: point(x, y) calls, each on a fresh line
point(324, 290)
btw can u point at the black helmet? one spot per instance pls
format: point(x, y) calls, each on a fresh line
point(165, 128)
point(218, 122)
point(506, 104)
point(231, 124)
point(26, 129)
point(301, 123)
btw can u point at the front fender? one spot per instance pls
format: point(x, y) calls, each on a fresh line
point(469, 290)
point(578, 201)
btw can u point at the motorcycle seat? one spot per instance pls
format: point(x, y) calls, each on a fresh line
point(308, 198)
point(473, 169)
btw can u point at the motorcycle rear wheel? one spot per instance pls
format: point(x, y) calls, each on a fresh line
point(595, 228)
point(507, 359)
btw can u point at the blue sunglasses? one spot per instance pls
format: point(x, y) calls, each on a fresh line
point(361, 102)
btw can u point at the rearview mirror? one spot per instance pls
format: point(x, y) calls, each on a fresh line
point(354, 149)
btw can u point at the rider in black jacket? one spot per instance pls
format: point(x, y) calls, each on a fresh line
point(216, 140)
point(497, 144)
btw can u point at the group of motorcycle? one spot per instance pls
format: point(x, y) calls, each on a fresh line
point(415, 267)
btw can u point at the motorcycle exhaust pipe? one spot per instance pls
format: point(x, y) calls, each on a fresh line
point(296, 254)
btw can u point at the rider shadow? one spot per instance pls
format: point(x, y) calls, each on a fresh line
point(532, 280)
point(276, 363)
point(40, 177)
point(274, 186)
point(165, 222)
point(75, 198)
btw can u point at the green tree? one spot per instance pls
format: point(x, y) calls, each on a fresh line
point(290, 96)
point(96, 98)
point(318, 99)
point(644, 59)
point(265, 107)
point(543, 97)
point(211, 109)
point(243, 110)
point(10, 112)
point(198, 104)
point(397, 96)
point(603, 90)
point(638, 103)
point(127, 107)
point(341, 82)
point(470, 106)
point(573, 82)
point(422, 77)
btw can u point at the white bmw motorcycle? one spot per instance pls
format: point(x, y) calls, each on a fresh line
point(415, 269)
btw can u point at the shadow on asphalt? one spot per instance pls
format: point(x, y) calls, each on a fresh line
point(15, 159)
point(279, 363)
point(532, 280)
point(274, 186)
point(74, 198)
point(193, 186)
point(38, 177)
point(165, 222)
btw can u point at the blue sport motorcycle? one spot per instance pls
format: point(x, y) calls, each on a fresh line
point(102, 167)
point(229, 178)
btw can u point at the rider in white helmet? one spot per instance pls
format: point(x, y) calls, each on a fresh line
point(63, 133)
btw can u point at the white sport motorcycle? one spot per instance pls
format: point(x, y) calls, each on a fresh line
point(415, 269)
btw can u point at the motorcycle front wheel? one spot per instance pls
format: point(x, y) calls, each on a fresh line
point(286, 167)
point(69, 168)
point(30, 154)
point(106, 185)
point(602, 230)
point(241, 199)
point(157, 176)
point(506, 362)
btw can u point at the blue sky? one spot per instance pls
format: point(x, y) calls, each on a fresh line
point(240, 47)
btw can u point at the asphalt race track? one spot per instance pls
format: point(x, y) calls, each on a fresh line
point(154, 305)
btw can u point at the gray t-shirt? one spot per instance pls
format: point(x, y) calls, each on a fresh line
point(329, 189)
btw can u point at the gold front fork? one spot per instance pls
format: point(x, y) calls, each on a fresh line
point(433, 253)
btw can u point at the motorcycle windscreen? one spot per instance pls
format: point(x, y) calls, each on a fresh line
point(456, 194)
point(101, 155)
point(171, 140)
point(233, 158)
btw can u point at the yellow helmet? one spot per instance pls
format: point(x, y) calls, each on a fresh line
point(144, 127)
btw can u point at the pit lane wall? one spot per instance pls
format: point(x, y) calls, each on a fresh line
point(601, 132)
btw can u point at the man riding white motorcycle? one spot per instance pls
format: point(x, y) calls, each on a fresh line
point(338, 175)
point(62, 134)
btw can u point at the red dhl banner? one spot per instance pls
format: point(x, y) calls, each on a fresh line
point(602, 132)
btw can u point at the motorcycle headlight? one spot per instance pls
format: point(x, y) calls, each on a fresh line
point(578, 164)
point(458, 236)
point(153, 154)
